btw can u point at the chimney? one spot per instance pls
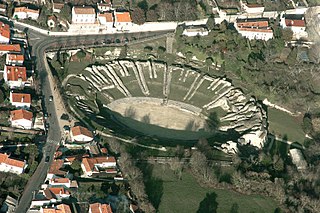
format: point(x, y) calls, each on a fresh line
point(22, 99)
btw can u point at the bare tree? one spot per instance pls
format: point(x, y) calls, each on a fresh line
point(114, 145)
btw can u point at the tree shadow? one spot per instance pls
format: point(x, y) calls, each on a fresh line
point(213, 121)
point(209, 204)
point(190, 126)
point(130, 112)
point(146, 119)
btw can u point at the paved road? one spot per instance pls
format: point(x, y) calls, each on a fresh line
point(40, 44)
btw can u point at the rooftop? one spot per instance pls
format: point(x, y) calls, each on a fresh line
point(15, 57)
point(62, 208)
point(10, 48)
point(25, 10)
point(89, 163)
point(79, 130)
point(100, 208)
point(55, 168)
point(4, 158)
point(21, 114)
point(14, 73)
point(21, 98)
point(4, 30)
point(84, 10)
point(107, 16)
point(123, 17)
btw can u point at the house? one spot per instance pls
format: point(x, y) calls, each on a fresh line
point(55, 169)
point(83, 15)
point(252, 8)
point(195, 31)
point(15, 76)
point(106, 19)
point(80, 134)
point(60, 182)
point(298, 159)
point(123, 21)
point(20, 100)
point(21, 119)
point(295, 22)
point(6, 48)
point(59, 193)
point(57, 7)
point(62, 208)
point(96, 165)
point(25, 13)
point(8, 164)
point(14, 59)
point(254, 28)
point(104, 6)
point(4, 33)
point(41, 198)
point(100, 208)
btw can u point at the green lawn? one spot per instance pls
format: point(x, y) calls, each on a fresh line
point(186, 194)
point(282, 124)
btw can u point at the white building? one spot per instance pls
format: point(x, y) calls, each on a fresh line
point(14, 76)
point(252, 8)
point(295, 22)
point(4, 33)
point(24, 13)
point(106, 19)
point(60, 182)
point(83, 15)
point(80, 134)
point(254, 28)
point(14, 59)
point(104, 6)
point(11, 165)
point(96, 165)
point(21, 119)
point(20, 100)
point(56, 7)
point(195, 31)
point(123, 21)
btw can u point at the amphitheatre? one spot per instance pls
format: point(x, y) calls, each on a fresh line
point(149, 95)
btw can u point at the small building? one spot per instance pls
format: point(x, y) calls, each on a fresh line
point(8, 164)
point(106, 19)
point(254, 28)
point(295, 22)
point(25, 13)
point(100, 208)
point(80, 134)
point(195, 31)
point(6, 48)
point(14, 76)
point(59, 193)
point(83, 15)
point(42, 198)
point(3, 9)
point(55, 170)
point(62, 208)
point(60, 182)
point(104, 6)
point(20, 100)
point(57, 7)
point(21, 119)
point(123, 21)
point(298, 159)
point(98, 165)
point(16, 59)
point(252, 8)
point(4, 33)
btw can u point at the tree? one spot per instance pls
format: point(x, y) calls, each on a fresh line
point(307, 124)
point(1, 97)
point(138, 16)
point(234, 208)
point(152, 16)
point(114, 145)
point(81, 54)
point(76, 165)
point(210, 23)
point(209, 204)
point(286, 34)
point(32, 151)
point(65, 12)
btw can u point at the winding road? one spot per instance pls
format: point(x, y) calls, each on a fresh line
point(40, 44)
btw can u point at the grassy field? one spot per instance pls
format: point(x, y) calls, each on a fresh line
point(186, 194)
point(282, 124)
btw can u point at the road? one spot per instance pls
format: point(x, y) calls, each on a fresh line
point(40, 44)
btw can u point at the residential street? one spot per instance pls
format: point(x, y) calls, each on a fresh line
point(40, 44)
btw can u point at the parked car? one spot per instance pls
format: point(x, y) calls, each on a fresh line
point(51, 98)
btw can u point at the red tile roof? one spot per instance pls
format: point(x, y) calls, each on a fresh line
point(21, 98)
point(4, 158)
point(55, 168)
point(21, 114)
point(254, 5)
point(4, 30)
point(295, 23)
point(25, 10)
point(107, 16)
point(89, 163)
point(79, 130)
point(84, 10)
point(123, 17)
point(62, 208)
point(10, 48)
point(253, 24)
point(59, 190)
point(256, 30)
point(100, 208)
point(15, 73)
point(61, 180)
point(15, 57)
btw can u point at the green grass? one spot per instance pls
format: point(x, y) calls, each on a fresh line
point(186, 194)
point(281, 124)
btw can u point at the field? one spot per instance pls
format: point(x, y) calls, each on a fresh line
point(282, 124)
point(186, 194)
